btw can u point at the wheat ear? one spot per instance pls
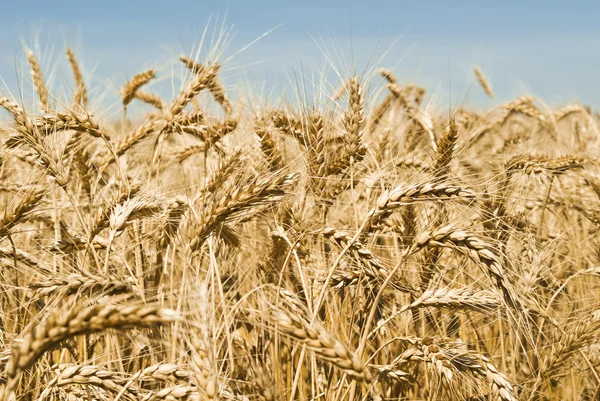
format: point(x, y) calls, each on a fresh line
point(139, 80)
point(61, 326)
point(480, 250)
point(19, 211)
point(80, 97)
point(38, 81)
point(485, 84)
point(322, 343)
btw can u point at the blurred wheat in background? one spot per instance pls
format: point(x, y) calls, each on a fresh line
point(359, 247)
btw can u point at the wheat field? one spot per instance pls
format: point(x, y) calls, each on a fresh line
point(358, 246)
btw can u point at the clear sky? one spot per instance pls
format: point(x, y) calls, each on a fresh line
point(550, 49)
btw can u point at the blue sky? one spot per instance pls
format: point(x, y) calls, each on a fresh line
point(546, 48)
